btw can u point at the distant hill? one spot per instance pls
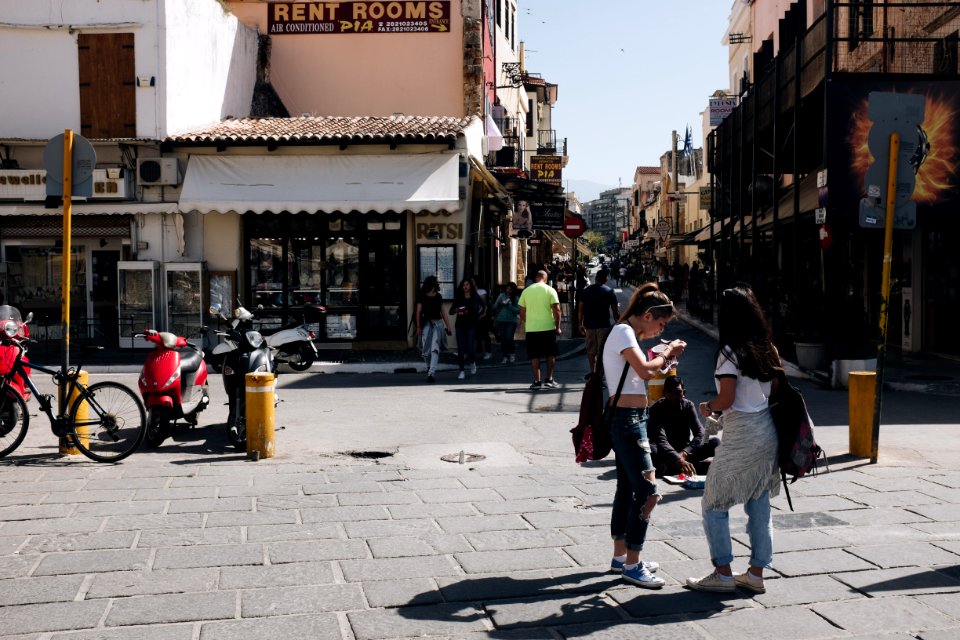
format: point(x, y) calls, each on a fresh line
point(586, 190)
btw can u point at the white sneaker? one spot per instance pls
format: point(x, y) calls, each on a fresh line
point(473, 369)
point(713, 582)
point(461, 376)
point(505, 360)
point(487, 356)
point(513, 358)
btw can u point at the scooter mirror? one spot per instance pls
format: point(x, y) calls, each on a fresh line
point(215, 309)
point(28, 318)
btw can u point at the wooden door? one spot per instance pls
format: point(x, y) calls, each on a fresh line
point(108, 103)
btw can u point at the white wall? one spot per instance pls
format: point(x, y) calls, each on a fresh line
point(212, 63)
point(39, 93)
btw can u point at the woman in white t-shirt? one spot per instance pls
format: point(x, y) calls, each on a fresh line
point(646, 315)
point(744, 470)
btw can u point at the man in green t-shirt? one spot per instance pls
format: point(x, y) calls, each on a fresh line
point(540, 315)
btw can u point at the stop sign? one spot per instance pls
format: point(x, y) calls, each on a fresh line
point(574, 226)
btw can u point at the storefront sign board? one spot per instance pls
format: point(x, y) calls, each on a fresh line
point(547, 169)
point(361, 16)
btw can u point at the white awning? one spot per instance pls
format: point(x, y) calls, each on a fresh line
point(321, 184)
point(113, 208)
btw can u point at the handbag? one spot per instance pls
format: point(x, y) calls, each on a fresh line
point(591, 436)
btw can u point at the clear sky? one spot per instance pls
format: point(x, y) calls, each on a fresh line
point(629, 72)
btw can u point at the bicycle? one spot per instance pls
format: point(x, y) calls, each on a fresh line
point(106, 421)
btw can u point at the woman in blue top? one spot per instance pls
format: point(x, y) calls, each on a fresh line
point(646, 315)
point(507, 310)
point(744, 469)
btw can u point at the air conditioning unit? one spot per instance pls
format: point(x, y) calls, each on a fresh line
point(157, 171)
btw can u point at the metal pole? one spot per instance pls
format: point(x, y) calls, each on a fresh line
point(67, 253)
point(885, 288)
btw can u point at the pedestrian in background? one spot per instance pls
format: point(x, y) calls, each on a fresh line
point(468, 308)
point(485, 326)
point(540, 315)
point(646, 315)
point(433, 324)
point(744, 470)
point(597, 302)
point(507, 311)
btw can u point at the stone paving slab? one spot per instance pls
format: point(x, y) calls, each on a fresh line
point(757, 623)
point(180, 607)
point(805, 590)
point(161, 632)
point(904, 581)
point(39, 590)
point(911, 554)
point(315, 627)
point(457, 620)
point(883, 614)
point(498, 586)
point(280, 601)
point(58, 616)
point(49, 543)
point(92, 561)
point(811, 562)
point(139, 583)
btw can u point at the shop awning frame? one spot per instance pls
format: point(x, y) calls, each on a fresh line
point(88, 209)
point(323, 183)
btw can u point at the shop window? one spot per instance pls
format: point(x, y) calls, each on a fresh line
point(438, 261)
point(266, 271)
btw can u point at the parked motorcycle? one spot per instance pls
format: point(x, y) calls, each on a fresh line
point(245, 352)
point(8, 354)
point(294, 344)
point(173, 384)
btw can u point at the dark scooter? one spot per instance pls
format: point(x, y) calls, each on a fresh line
point(248, 353)
point(173, 384)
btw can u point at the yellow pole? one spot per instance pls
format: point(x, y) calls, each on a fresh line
point(260, 393)
point(67, 447)
point(885, 288)
point(861, 387)
point(67, 251)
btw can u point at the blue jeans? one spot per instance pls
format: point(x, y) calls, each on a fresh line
point(506, 331)
point(466, 345)
point(628, 434)
point(716, 524)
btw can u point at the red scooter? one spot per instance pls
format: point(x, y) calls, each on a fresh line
point(9, 354)
point(173, 384)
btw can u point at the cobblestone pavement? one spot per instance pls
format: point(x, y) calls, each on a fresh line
point(366, 549)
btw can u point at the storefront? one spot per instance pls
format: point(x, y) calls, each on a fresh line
point(345, 226)
point(31, 259)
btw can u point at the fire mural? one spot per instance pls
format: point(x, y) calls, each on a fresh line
point(936, 160)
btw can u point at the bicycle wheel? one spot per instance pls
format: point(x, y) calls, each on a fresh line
point(107, 423)
point(14, 420)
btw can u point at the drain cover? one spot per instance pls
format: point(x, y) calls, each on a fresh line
point(463, 458)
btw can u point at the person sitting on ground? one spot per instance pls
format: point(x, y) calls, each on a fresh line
point(677, 437)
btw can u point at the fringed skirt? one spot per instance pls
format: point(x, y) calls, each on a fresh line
point(745, 464)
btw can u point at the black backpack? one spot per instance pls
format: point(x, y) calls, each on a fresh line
point(798, 452)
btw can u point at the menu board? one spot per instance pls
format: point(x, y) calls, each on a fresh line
point(439, 261)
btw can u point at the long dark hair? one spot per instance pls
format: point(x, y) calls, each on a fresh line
point(473, 289)
point(648, 297)
point(429, 284)
point(745, 334)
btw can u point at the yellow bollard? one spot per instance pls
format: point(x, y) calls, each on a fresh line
point(260, 403)
point(655, 385)
point(67, 448)
point(862, 389)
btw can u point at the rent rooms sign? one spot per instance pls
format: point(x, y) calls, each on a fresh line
point(402, 16)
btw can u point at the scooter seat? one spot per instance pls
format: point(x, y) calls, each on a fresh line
point(190, 360)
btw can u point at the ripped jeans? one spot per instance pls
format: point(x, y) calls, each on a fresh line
point(628, 433)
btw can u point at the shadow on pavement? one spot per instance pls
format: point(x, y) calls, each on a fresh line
point(562, 600)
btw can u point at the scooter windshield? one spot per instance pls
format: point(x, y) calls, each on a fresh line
point(10, 313)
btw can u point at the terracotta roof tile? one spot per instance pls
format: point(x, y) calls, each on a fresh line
point(327, 129)
point(648, 170)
